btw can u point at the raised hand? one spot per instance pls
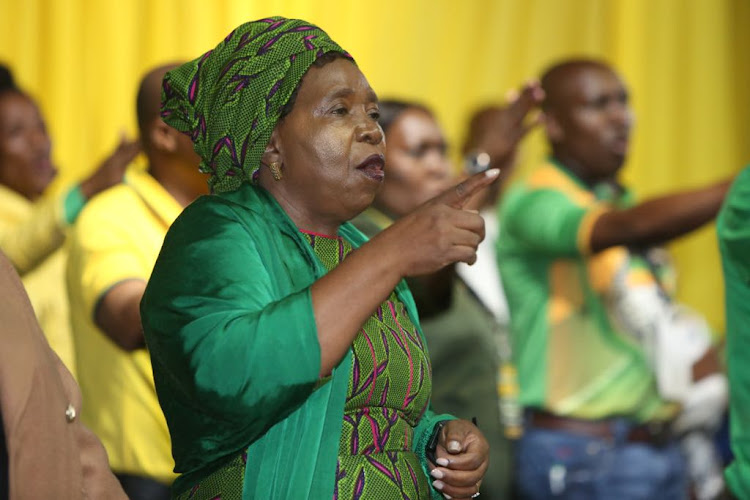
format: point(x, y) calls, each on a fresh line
point(440, 232)
point(110, 171)
point(498, 130)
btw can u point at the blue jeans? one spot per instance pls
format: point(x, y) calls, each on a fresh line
point(555, 464)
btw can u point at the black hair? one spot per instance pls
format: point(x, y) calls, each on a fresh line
point(391, 109)
point(148, 98)
point(7, 83)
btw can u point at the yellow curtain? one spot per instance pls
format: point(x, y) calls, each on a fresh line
point(687, 63)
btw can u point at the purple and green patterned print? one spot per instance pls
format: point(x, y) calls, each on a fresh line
point(229, 99)
point(389, 389)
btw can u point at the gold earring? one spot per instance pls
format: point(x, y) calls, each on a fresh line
point(275, 171)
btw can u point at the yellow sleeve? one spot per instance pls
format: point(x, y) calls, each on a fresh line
point(102, 251)
point(550, 221)
point(30, 240)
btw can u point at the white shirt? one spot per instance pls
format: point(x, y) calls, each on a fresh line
point(483, 277)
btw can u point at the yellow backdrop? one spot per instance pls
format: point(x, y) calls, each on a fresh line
point(687, 62)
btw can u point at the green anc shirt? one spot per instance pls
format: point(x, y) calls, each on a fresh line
point(733, 228)
point(571, 358)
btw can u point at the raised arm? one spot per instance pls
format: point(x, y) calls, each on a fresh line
point(437, 234)
point(658, 220)
point(31, 240)
point(221, 298)
point(28, 242)
point(110, 171)
point(498, 131)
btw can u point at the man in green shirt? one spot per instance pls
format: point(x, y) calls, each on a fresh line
point(568, 234)
point(733, 228)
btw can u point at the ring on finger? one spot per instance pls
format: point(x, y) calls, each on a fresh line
point(477, 493)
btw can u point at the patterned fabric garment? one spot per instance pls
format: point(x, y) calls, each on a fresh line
point(229, 99)
point(389, 389)
point(224, 484)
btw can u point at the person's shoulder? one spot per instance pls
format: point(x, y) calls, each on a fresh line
point(109, 205)
point(734, 215)
point(545, 187)
point(738, 196)
point(247, 199)
point(213, 215)
point(742, 181)
point(214, 207)
point(552, 178)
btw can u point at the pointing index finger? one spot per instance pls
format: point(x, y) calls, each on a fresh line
point(459, 194)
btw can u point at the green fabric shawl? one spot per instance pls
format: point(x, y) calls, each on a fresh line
point(235, 352)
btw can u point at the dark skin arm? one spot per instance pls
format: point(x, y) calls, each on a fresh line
point(118, 314)
point(447, 232)
point(499, 131)
point(658, 220)
point(119, 317)
point(440, 232)
point(111, 170)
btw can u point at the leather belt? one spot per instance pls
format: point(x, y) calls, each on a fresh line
point(657, 433)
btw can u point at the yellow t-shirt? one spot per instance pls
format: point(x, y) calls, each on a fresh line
point(117, 237)
point(31, 236)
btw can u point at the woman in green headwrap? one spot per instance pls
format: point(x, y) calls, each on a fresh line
point(286, 349)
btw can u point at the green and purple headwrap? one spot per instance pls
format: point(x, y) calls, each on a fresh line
point(229, 99)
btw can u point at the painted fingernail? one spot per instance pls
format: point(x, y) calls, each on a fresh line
point(442, 462)
point(493, 172)
point(447, 496)
point(437, 474)
point(454, 446)
point(438, 485)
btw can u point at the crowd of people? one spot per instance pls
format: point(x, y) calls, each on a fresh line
point(275, 305)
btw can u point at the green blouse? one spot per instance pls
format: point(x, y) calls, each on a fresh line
point(228, 319)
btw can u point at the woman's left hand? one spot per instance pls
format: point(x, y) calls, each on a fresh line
point(462, 456)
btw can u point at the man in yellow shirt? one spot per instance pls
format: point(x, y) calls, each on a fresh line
point(33, 224)
point(114, 245)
